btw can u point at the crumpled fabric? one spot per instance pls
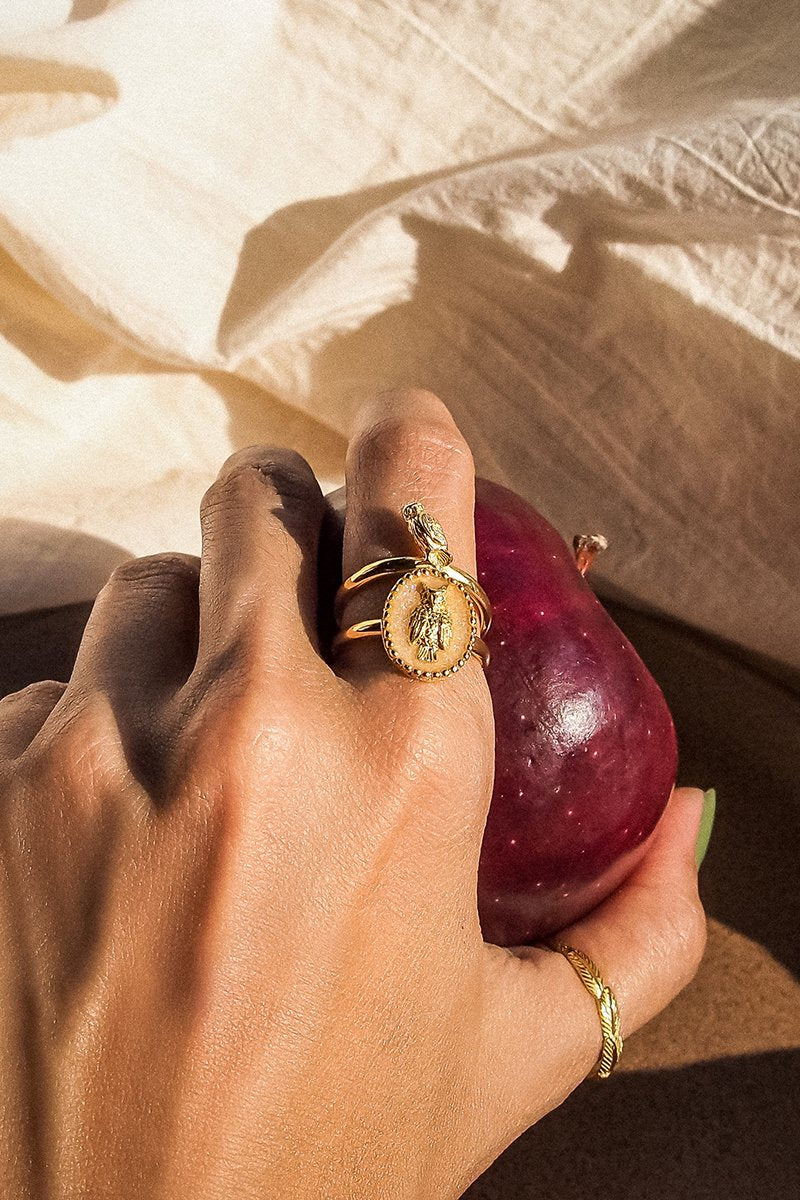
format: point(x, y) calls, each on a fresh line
point(577, 223)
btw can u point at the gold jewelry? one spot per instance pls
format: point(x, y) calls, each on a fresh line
point(399, 565)
point(433, 614)
point(605, 1001)
point(372, 628)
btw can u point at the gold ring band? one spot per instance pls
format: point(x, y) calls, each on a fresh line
point(434, 614)
point(605, 1001)
point(399, 565)
point(372, 627)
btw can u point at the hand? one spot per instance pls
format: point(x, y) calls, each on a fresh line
point(238, 925)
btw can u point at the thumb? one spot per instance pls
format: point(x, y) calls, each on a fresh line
point(543, 1033)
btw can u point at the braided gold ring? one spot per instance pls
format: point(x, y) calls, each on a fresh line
point(605, 1000)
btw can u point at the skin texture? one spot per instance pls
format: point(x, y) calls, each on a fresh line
point(238, 918)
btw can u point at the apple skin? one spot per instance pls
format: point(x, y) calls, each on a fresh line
point(585, 748)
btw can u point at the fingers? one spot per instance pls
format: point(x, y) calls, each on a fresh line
point(162, 618)
point(647, 939)
point(22, 715)
point(405, 447)
point(258, 577)
point(140, 641)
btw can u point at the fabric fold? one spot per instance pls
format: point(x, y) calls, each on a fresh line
point(578, 226)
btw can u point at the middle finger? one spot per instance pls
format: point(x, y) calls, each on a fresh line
point(406, 447)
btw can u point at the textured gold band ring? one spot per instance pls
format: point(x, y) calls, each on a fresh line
point(604, 999)
point(434, 614)
point(399, 565)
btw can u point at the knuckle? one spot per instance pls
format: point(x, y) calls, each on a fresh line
point(42, 693)
point(419, 404)
point(430, 444)
point(157, 569)
point(420, 745)
point(215, 497)
point(229, 720)
point(282, 471)
point(81, 754)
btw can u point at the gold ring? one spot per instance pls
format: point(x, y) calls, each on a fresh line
point(434, 614)
point(606, 1003)
point(399, 565)
point(372, 628)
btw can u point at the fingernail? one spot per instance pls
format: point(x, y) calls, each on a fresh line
point(706, 825)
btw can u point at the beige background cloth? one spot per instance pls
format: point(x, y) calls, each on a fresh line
point(227, 223)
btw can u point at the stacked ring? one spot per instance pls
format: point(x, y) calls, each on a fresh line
point(434, 614)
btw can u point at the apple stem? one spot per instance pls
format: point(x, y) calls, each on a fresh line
point(587, 546)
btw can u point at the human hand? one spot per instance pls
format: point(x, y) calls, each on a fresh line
point(238, 917)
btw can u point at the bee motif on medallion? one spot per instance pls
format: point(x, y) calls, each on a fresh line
point(430, 626)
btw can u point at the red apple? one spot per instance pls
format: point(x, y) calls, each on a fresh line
point(585, 750)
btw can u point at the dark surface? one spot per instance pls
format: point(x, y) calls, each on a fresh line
point(39, 645)
point(711, 1131)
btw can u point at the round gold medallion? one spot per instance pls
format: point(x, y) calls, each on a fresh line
point(429, 624)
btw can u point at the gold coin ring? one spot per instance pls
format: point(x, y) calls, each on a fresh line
point(400, 565)
point(433, 614)
point(372, 628)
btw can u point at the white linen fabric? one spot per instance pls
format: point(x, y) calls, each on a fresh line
point(576, 222)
